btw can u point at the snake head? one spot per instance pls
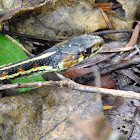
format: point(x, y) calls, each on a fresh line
point(79, 48)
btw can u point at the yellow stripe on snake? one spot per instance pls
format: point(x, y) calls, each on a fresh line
point(59, 57)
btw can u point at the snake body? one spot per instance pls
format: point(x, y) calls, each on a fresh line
point(59, 57)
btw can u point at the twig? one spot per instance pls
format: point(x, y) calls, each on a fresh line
point(131, 75)
point(106, 19)
point(31, 38)
point(133, 41)
point(133, 125)
point(44, 40)
point(132, 53)
point(19, 45)
point(121, 65)
point(60, 76)
point(134, 36)
point(74, 86)
point(111, 32)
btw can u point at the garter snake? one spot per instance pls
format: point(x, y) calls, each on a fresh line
point(59, 57)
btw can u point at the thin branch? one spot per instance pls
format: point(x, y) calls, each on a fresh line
point(44, 40)
point(135, 35)
point(31, 38)
point(133, 123)
point(106, 19)
point(74, 86)
point(111, 32)
point(122, 65)
point(19, 45)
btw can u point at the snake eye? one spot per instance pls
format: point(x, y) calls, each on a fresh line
point(87, 52)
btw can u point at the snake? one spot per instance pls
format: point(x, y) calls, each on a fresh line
point(59, 57)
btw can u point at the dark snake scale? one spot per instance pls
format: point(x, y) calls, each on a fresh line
point(59, 57)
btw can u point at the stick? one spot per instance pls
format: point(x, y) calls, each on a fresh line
point(71, 84)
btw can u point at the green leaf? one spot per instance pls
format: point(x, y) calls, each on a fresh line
point(10, 53)
point(27, 80)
